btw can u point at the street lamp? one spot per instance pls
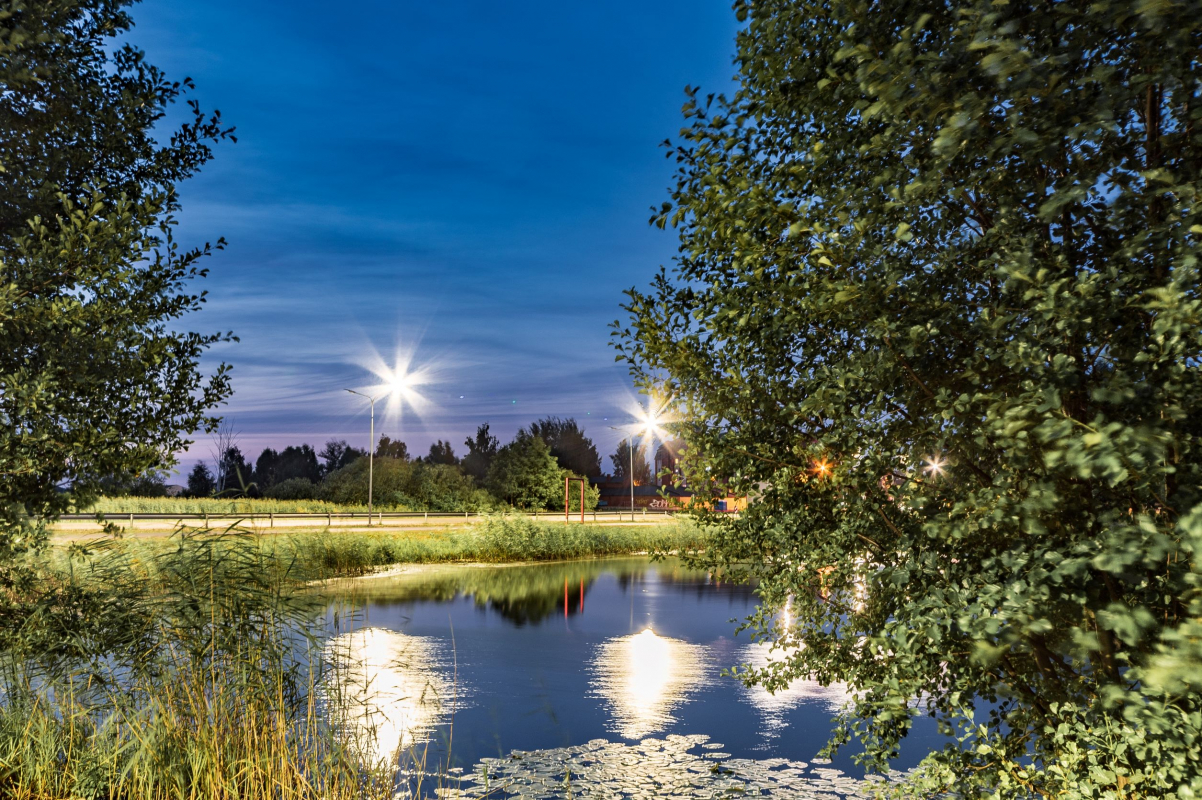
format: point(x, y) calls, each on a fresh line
point(649, 425)
point(630, 472)
point(397, 384)
point(371, 449)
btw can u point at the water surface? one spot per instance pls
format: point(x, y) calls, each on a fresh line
point(463, 663)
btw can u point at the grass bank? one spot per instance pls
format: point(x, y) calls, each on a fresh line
point(315, 555)
point(497, 540)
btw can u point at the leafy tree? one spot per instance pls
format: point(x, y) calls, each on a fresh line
point(571, 448)
point(407, 484)
point(292, 489)
point(297, 461)
point(441, 453)
point(480, 452)
point(265, 468)
point(524, 474)
point(97, 377)
point(235, 471)
point(151, 484)
point(621, 461)
point(386, 448)
point(337, 454)
point(937, 307)
point(200, 481)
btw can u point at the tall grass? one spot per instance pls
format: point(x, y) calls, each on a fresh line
point(191, 673)
point(215, 506)
point(499, 539)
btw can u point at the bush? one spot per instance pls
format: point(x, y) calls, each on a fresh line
point(409, 485)
point(292, 489)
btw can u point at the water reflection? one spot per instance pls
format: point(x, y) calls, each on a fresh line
point(644, 677)
point(774, 707)
point(530, 594)
point(397, 688)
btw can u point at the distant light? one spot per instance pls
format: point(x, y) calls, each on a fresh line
point(822, 467)
point(515, 402)
point(460, 397)
point(935, 466)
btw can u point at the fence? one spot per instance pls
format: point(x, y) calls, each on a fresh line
point(351, 518)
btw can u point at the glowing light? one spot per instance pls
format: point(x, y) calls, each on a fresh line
point(397, 691)
point(822, 467)
point(645, 677)
point(775, 706)
point(399, 382)
point(935, 466)
point(650, 420)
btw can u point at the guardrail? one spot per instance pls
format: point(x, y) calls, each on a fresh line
point(350, 516)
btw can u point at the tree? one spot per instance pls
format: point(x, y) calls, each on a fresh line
point(225, 439)
point(266, 467)
point(480, 452)
point(937, 310)
point(406, 484)
point(97, 377)
point(621, 462)
point(441, 453)
point(386, 448)
point(151, 484)
point(297, 461)
point(524, 474)
point(338, 454)
point(571, 448)
point(237, 473)
point(200, 481)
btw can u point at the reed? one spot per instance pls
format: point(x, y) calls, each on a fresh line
point(499, 539)
point(193, 672)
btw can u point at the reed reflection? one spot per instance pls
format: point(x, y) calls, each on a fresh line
point(396, 687)
point(644, 677)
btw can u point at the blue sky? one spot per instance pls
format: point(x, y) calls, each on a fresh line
point(470, 181)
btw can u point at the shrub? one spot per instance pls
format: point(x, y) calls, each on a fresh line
point(292, 489)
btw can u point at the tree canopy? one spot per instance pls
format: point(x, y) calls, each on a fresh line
point(481, 449)
point(387, 448)
point(524, 474)
point(441, 453)
point(97, 376)
point(937, 310)
point(569, 446)
point(621, 460)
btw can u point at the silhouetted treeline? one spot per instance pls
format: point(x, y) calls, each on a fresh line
point(528, 472)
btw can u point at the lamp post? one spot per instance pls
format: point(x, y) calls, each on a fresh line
point(371, 450)
point(630, 472)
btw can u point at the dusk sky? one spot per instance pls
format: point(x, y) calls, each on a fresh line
point(469, 181)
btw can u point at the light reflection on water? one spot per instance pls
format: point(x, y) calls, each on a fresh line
point(776, 706)
point(397, 688)
point(644, 677)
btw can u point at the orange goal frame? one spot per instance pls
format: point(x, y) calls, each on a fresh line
point(566, 483)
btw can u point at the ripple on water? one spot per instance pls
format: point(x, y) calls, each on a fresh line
point(665, 767)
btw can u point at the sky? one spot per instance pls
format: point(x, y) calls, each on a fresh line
point(467, 184)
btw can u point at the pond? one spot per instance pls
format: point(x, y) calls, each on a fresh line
point(588, 670)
